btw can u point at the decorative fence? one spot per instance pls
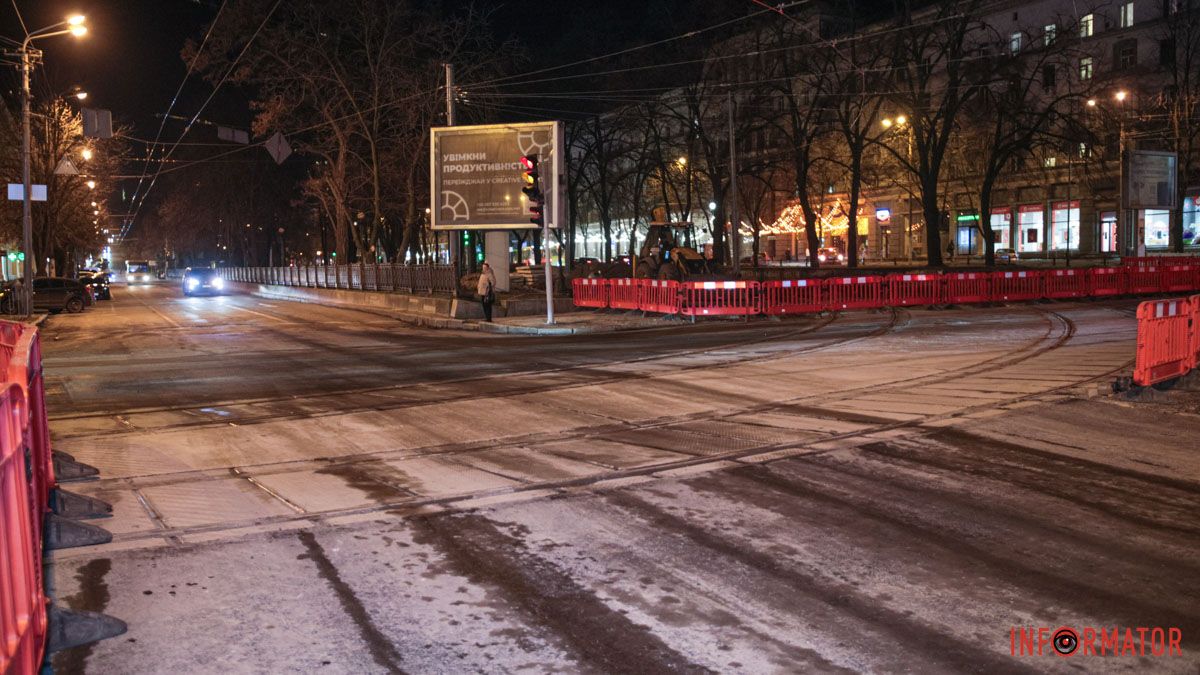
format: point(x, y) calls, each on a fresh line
point(385, 277)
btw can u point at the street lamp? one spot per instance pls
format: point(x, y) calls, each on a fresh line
point(74, 25)
point(86, 154)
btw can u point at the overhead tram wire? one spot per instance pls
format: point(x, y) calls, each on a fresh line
point(681, 36)
point(216, 88)
point(175, 99)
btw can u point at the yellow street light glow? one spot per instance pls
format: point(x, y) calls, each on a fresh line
point(682, 161)
point(86, 153)
point(91, 185)
point(1120, 95)
point(81, 95)
point(1091, 103)
point(901, 119)
point(78, 31)
point(886, 122)
point(76, 19)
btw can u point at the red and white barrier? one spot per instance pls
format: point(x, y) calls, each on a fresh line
point(1066, 284)
point(793, 296)
point(1144, 279)
point(623, 293)
point(590, 292)
point(1165, 348)
point(1107, 281)
point(1014, 286)
point(712, 298)
point(915, 289)
point(659, 296)
point(855, 292)
point(964, 288)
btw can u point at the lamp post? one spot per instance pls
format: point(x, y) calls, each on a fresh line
point(72, 26)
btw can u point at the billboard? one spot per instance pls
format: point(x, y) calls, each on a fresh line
point(1149, 180)
point(475, 175)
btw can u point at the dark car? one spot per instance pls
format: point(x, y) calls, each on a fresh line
point(53, 294)
point(99, 283)
point(202, 280)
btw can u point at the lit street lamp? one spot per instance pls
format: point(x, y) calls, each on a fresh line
point(72, 26)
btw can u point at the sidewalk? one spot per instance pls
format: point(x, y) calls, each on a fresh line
point(570, 323)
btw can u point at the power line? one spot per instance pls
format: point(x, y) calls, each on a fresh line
point(216, 88)
point(174, 99)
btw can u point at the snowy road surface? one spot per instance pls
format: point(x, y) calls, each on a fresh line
point(310, 489)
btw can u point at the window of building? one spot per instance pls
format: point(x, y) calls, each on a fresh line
point(1049, 79)
point(1108, 232)
point(1086, 25)
point(1127, 15)
point(1085, 68)
point(1014, 43)
point(1125, 54)
point(1030, 221)
point(1191, 220)
point(1064, 226)
point(1049, 32)
point(1050, 162)
point(1002, 227)
point(1158, 228)
point(1085, 150)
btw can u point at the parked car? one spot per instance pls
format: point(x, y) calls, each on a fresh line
point(1006, 255)
point(99, 283)
point(202, 280)
point(53, 294)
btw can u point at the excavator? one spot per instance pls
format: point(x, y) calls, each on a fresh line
point(667, 252)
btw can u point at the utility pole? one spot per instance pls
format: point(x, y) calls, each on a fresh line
point(455, 241)
point(25, 299)
point(735, 219)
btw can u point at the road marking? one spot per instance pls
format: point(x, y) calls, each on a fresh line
point(265, 316)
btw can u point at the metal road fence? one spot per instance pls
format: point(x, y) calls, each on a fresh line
point(385, 277)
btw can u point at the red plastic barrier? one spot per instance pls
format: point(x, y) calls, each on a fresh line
point(1179, 278)
point(623, 293)
point(968, 287)
point(1164, 349)
point(590, 292)
point(855, 292)
point(658, 296)
point(1015, 286)
point(1159, 260)
point(1066, 284)
point(705, 298)
point(1106, 281)
point(1144, 279)
point(1194, 340)
point(22, 596)
point(793, 296)
point(915, 289)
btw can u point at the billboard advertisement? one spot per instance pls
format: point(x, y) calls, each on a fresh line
point(475, 175)
point(1150, 180)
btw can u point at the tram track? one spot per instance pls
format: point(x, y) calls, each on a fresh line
point(1059, 331)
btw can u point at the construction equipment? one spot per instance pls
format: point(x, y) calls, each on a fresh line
point(668, 253)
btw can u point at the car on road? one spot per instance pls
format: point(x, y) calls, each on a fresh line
point(99, 283)
point(830, 255)
point(200, 280)
point(1006, 255)
point(53, 294)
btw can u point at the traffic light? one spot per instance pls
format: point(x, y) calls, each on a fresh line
point(16, 256)
point(533, 189)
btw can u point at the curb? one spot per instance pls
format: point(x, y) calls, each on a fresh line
point(447, 323)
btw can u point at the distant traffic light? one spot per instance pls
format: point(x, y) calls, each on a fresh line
point(533, 189)
point(16, 256)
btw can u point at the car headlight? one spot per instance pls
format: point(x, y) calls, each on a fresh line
point(218, 283)
point(192, 283)
point(841, 258)
point(821, 257)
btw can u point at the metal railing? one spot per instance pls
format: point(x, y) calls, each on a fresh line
point(383, 277)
